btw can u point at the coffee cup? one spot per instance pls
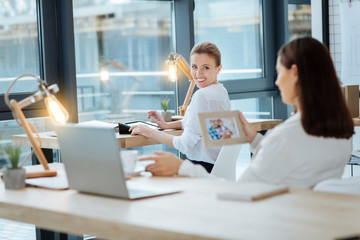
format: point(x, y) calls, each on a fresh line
point(128, 159)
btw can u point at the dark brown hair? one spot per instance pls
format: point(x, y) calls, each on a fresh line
point(323, 109)
point(209, 48)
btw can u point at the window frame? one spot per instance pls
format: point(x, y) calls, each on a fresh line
point(57, 65)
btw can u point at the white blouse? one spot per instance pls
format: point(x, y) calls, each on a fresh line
point(212, 98)
point(287, 155)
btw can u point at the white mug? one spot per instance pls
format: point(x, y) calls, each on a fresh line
point(128, 160)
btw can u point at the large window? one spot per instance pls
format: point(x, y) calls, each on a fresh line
point(120, 50)
point(235, 26)
point(19, 53)
point(128, 42)
point(19, 46)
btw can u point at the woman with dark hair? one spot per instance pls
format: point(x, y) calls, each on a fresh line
point(312, 145)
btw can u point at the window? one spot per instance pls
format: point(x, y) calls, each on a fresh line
point(19, 53)
point(254, 108)
point(235, 27)
point(120, 50)
point(129, 43)
point(299, 16)
point(19, 46)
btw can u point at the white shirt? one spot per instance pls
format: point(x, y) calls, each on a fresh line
point(212, 98)
point(287, 155)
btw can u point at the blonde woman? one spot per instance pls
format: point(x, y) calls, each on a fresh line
point(205, 63)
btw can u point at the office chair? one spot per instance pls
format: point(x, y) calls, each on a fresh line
point(225, 165)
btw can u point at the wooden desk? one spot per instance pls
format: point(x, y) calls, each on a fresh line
point(128, 141)
point(195, 213)
point(356, 122)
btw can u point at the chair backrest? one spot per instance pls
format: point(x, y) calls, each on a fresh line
point(225, 165)
point(347, 185)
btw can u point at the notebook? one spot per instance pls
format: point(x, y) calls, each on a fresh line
point(92, 163)
point(251, 191)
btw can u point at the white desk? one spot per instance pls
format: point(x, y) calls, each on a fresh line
point(195, 213)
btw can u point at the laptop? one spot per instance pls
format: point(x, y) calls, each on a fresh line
point(93, 164)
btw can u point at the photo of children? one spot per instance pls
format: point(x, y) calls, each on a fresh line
point(222, 128)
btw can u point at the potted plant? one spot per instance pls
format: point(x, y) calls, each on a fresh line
point(166, 114)
point(14, 176)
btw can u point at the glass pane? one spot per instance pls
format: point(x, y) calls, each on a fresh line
point(254, 108)
point(120, 49)
point(131, 40)
point(235, 27)
point(299, 20)
point(19, 47)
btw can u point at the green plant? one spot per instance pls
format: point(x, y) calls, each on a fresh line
point(164, 104)
point(13, 155)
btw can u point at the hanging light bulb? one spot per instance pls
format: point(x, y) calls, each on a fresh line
point(104, 74)
point(56, 110)
point(172, 71)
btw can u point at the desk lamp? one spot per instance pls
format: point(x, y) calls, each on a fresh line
point(57, 112)
point(177, 61)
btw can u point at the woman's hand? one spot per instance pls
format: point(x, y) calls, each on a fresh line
point(166, 164)
point(142, 129)
point(158, 119)
point(248, 129)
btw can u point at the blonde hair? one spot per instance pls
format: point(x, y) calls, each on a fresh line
point(209, 48)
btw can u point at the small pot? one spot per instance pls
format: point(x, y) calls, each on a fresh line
point(166, 116)
point(14, 178)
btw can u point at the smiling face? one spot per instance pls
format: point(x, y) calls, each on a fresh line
point(287, 81)
point(204, 69)
point(214, 123)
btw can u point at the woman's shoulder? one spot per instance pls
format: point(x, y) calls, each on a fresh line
point(212, 90)
point(215, 87)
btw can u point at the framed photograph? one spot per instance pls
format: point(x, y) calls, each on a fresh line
point(221, 128)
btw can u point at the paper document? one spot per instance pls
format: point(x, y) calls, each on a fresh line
point(58, 182)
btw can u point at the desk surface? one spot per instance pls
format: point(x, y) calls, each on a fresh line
point(356, 122)
point(128, 141)
point(196, 213)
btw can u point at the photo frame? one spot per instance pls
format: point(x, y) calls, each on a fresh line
point(221, 128)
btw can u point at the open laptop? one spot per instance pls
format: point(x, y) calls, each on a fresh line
point(92, 163)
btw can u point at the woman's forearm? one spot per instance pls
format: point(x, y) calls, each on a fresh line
point(174, 125)
point(162, 137)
